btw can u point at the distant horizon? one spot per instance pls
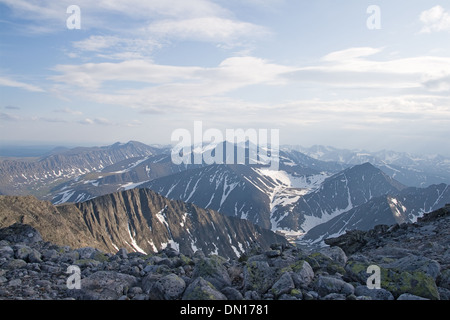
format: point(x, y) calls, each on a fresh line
point(42, 148)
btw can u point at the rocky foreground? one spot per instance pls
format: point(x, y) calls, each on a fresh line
point(413, 260)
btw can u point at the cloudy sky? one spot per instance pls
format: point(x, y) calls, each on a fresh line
point(325, 72)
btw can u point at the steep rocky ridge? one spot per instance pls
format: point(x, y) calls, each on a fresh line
point(138, 220)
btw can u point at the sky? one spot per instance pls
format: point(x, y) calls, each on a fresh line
point(351, 74)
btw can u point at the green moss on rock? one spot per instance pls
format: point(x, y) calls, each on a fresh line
point(417, 283)
point(396, 281)
point(259, 276)
point(86, 262)
point(319, 261)
point(100, 256)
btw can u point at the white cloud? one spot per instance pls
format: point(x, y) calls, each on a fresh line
point(17, 84)
point(200, 20)
point(69, 111)
point(357, 68)
point(115, 47)
point(97, 121)
point(435, 19)
point(155, 89)
point(165, 8)
point(97, 43)
point(351, 54)
point(210, 29)
point(143, 84)
point(93, 75)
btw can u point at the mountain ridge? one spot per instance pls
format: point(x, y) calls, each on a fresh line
point(20, 177)
point(138, 220)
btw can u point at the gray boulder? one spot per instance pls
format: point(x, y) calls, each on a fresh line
point(212, 269)
point(336, 254)
point(259, 276)
point(374, 294)
point(6, 252)
point(444, 279)
point(15, 264)
point(200, 289)
point(408, 296)
point(26, 253)
point(169, 287)
point(417, 263)
point(232, 293)
point(104, 285)
point(20, 233)
point(284, 285)
point(325, 285)
point(302, 273)
point(85, 253)
point(335, 296)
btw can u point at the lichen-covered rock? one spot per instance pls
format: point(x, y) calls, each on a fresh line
point(444, 279)
point(86, 262)
point(213, 270)
point(318, 261)
point(417, 263)
point(301, 273)
point(395, 280)
point(416, 283)
point(336, 254)
point(325, 285)
point(201, 289)
point(283, 285)
point(22, 251)
point(170, 287)
point(259, 276)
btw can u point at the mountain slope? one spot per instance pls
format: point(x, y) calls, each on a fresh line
point(38, 176)
point(123, 175)
point(243, 191)
point(139, 220)
point(407, 206)
point(228, 189)
point(338, 194)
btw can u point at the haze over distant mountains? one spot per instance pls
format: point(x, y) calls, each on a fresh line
point(317, 192)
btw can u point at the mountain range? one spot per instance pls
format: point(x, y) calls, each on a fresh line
point(413, 170)
point(37, 176)
point(317, 192)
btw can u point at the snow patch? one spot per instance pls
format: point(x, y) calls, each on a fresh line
point(131, 185)
point(134, 243)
